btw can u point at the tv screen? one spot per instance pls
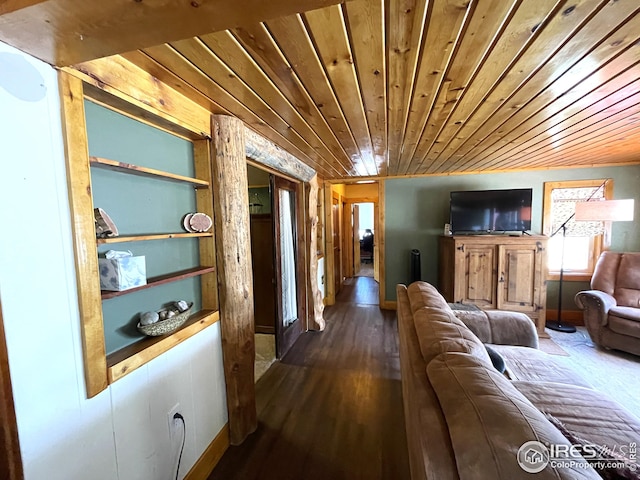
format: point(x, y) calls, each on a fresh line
point(488, 211)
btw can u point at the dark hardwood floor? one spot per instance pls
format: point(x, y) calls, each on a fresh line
point(332, 408)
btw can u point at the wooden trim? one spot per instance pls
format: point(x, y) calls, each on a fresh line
point(128, 359)
point(597, 245)
point(125, 87)
point(210, 457)
point(329, 288)
point(570, 277)
point(204, 204)
point(160, 280)
point(158, 236)
point(265, 152)
point(268, 169)
point(485, 172)
point(389, 305)
point(10, 459)
point(235, 278)
point(574, 317)
point(143, 171)
point(353, 200)
point(380, 242)
point(72, 33)
point(81, 207)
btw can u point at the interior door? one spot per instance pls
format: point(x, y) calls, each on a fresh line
point(289, 227)
point(337, 257)
point(355, 239)
point(264, 281)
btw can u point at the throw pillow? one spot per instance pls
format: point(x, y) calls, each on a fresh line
point(496, 359)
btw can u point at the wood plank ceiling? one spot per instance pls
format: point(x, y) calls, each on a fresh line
point(403, 87)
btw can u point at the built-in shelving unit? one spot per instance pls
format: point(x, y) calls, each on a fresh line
point(145, 172)
point(106, 365)
point(160, 280)
point(155, 236)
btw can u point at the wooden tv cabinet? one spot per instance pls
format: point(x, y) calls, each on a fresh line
point(496, 272)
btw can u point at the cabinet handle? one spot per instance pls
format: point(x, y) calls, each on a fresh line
point(501, 279)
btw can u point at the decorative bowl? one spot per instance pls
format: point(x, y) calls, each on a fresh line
point(163, 327)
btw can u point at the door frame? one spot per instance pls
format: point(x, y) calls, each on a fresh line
point(10, 458)
point(286, 336)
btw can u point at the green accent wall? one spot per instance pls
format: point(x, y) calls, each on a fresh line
point(416, 210)
point(141, 205)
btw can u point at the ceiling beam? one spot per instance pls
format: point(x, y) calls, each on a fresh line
point(65, 32)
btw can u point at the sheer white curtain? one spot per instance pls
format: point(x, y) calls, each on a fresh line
point(288, 260)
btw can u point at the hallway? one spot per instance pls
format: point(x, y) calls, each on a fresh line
point(332, 408)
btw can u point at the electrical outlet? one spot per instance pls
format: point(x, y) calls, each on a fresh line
point(173, 422)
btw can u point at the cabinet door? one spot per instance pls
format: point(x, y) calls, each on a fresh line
point(519, 277)
point(479, 267)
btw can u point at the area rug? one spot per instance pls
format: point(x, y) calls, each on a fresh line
point(549, 346)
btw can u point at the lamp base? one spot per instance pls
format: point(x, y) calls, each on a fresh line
point(560, 327)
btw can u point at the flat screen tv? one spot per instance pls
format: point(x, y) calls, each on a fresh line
point(491, 211)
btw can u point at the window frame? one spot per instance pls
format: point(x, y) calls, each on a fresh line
point(597, 245)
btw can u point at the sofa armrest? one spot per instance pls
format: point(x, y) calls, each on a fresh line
point(500, 327)
point(596, 305)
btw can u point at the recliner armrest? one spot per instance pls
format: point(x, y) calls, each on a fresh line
point(500, 327)
point(596, 300)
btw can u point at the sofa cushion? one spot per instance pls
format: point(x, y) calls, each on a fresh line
point(422, 294)
point(495, 326)
point(624, 326)
point(489, 420)
point(627, 292)
point(438, 332)
point(588, 413)
point(526, 364)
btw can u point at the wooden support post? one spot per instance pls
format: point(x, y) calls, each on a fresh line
point(316, 306)
point(235, 278)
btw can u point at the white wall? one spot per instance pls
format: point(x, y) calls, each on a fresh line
point(321, 277)
point(123, 432)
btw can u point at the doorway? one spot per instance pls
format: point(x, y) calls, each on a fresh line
point(363, 239)
point(289, 234)
point(276, 223)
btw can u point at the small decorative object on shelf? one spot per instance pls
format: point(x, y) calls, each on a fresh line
point(196, 222)
point(104, 225)
point(168, 321)
point(121, 271)
point(147, 318)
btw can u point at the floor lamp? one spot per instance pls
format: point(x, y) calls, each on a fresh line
point(589, 211)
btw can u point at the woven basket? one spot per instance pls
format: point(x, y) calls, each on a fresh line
point(163, 327)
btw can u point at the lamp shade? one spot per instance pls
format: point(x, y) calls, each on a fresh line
point(605, 211)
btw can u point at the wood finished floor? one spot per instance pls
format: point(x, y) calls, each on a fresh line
point(332, 408)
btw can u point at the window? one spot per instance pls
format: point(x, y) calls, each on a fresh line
point(584, 240)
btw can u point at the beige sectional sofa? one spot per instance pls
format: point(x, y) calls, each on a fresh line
point(467, 420)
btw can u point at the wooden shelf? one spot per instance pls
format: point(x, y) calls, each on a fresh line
point(145, 172)
point(160, 280)
point(155, 236)
point(129, 358)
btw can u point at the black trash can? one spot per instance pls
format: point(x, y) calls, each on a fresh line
point(415, 266)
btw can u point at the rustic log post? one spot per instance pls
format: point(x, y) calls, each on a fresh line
point(235, 278)
point(315, 296)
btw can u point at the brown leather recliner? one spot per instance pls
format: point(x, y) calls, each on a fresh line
point(612, 307)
